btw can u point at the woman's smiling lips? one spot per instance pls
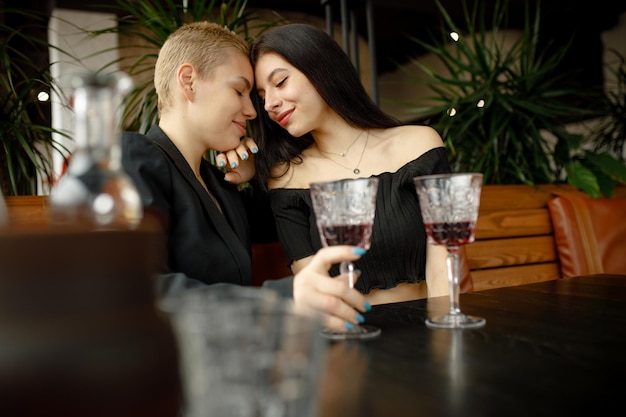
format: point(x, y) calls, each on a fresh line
point(242, 127)
point(283, 118)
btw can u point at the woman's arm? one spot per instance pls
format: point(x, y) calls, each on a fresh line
point(436, 270)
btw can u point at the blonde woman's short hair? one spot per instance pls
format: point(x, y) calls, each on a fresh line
point(204, 45)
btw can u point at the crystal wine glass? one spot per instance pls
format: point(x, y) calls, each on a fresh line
point(344, 211)
point(449, 205)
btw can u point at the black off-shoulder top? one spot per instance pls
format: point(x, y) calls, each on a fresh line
point(398, 250)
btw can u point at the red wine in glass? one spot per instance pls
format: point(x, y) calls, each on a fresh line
point(450, 234)
point(348, 234)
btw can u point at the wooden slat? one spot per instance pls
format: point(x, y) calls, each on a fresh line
point(485, 279)
point(510, 252)
point(514, 237)
point(27, 210)
point(513, 197)
point(507, 223)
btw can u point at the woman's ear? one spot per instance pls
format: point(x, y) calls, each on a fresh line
point(185, 77)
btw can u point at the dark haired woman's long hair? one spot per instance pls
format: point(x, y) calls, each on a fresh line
point(314, 53)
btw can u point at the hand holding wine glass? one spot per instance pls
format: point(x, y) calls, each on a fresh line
point(345, 211)
point(449, 204)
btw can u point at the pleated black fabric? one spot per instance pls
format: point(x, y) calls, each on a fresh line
point(398, 251)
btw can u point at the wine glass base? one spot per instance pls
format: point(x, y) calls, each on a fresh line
point(362, 332)
point(455, 321)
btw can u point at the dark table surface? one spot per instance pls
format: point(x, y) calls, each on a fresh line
point(548, 349)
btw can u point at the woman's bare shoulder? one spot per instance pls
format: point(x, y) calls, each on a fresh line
point(407, 143)
point(417, 137)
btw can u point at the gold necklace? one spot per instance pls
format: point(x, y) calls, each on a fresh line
point(355, 170)
point(344, 153)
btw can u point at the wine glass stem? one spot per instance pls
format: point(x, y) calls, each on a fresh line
point(452, 261)
point(347, 267)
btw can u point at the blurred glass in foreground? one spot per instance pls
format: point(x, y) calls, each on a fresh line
point(246, 352)
point(95, 190)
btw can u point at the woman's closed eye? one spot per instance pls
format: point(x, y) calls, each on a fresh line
point(242, 86)
point(243, 92)
point(279, 84)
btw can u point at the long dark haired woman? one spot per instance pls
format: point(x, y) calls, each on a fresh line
point(316, 122)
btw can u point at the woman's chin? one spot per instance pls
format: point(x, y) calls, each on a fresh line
point(296, 133)
point(228, 145)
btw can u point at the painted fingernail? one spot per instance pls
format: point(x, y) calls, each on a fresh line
point(233, 164)
point(349, 326)
point(358, 251)
point(222, 163)
point(360, 318)
point(255, 150)
point(244, 156)
point(367, 306)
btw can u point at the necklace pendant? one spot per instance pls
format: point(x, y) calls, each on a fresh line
point(341, 154)
point(356, 171)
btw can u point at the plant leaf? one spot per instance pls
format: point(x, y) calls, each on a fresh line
point(583, 178)
point(609, 165)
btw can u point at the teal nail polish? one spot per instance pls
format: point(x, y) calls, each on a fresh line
point(244, 156)
point(349, 326)
point(233, 164)
point(222, 163)
point(255, 150)
point(359, 251)
point(367, 305)
point(360, 318)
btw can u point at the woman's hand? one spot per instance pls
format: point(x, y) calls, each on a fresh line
point(314, 288)
point(239, 161)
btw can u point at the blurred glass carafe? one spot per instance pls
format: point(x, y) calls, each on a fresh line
point(95, 191)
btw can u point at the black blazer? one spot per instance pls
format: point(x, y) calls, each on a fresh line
point(202, 243)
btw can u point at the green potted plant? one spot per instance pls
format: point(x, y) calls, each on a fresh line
point(27, 138)
point(610, 136)
point(501, 106)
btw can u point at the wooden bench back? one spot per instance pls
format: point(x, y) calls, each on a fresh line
point(27, 211)
point(514, 238)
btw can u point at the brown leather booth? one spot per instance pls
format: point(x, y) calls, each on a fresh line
point(590, 233)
